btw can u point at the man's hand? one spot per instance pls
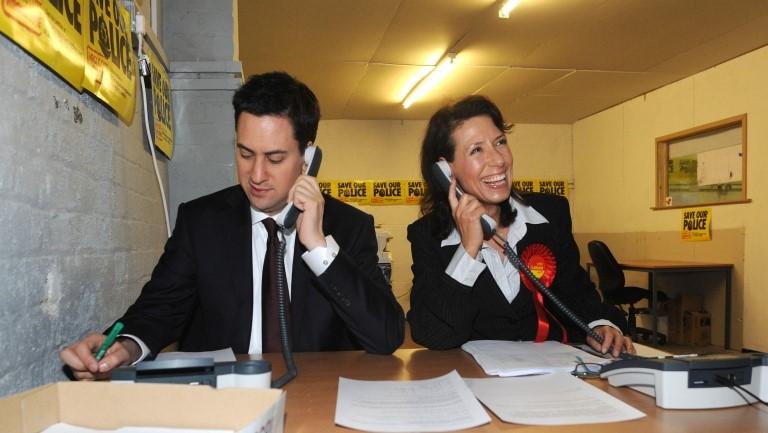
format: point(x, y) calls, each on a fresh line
point(80, 356)
point(613, 341)
point(306, 196)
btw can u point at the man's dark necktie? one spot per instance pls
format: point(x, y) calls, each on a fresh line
point(270, 324)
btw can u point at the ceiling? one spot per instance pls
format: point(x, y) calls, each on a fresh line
point(552, 61)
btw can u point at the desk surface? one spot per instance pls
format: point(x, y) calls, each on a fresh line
point(652, 265)
point(674, 265)
point(311, 398)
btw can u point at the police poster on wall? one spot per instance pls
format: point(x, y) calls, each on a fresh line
point(414, 191)
point(695, 224)
point(160, 103)
point(375, 192)
point(353, 191)
point(110, 65)
point(51, 30)
point(387, 192)
point(545, 186)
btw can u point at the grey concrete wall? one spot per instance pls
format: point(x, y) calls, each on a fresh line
point(81, 223)
point(199, 41)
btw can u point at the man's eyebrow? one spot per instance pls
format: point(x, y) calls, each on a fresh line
point(275, 152)
point(243, 147)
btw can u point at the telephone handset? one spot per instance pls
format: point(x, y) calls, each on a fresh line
point(313, 156)
point(442, 172)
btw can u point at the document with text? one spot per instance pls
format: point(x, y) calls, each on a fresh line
point(521, 358)
point(432, 405)
point(550, 399)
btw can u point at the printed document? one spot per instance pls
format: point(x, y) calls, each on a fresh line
point(551, 399)
point(432, 405)
point(521, 358)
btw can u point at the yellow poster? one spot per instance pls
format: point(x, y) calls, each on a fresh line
point(328, 187)
point(526, 185)
point(51, 30)
point(545, 186)
point(695, 224)
point(162, 112)
point(375, 192)
point(354, 191)
point(110, 65)
point(554, 187)
point(414, 191)
point(386, 192)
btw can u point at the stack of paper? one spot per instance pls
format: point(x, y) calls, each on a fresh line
point(520, 358)
point(432, 405)
point(552, 399)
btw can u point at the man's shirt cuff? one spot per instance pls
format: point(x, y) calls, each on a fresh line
point(144, 349)
point(320, 258)
point(464, 268)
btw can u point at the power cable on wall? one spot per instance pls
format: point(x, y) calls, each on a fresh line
point(143, 75)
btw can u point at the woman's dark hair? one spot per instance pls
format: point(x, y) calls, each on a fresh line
point(438, 143)
point(279, 94)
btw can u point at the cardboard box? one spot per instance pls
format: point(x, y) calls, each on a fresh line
point(697, 328)
point(109, 406)
point(675, 309)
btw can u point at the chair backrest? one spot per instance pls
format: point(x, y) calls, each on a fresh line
point(609, 273)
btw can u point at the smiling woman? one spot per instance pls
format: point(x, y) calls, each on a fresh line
point(463, 286)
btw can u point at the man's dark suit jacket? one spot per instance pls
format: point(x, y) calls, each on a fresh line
point(445, 313)
point(201, 291)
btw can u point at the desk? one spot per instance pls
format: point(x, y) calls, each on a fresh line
point(654, 268)
point(311, 399)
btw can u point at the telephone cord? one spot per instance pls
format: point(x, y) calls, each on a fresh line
point(282, 306)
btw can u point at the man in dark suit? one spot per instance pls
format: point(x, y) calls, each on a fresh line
point(206, 291)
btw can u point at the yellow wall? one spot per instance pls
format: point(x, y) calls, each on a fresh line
point(384, 149)
point(614, 166)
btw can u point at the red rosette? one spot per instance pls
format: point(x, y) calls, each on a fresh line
point(542, 263)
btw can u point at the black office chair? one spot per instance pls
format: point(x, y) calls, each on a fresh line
point(611, 283)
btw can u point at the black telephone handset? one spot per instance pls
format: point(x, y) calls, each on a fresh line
point(313, 156)
point(442, 172)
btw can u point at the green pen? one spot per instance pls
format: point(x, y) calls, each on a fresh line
point(118, 326)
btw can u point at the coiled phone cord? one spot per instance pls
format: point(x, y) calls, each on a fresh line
point(282, 307)
point(517, 263)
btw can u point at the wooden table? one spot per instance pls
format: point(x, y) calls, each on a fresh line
point(656, 268)
point(311, 398)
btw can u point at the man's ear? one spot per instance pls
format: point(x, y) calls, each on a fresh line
point(304, 165)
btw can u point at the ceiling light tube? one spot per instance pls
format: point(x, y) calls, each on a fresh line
point(427, 83)
point(507, 7)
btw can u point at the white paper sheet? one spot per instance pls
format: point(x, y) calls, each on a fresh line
point(223, 355)
point(68, 428)
point(521, 358)
point(551, 399)
point(432, 405)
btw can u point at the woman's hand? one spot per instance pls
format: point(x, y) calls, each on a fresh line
point(466, 214)
point(613, 341)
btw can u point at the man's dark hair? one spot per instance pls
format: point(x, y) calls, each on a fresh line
point(438, 143)
point(279, 94)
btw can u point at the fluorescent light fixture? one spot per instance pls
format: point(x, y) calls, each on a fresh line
point(428, 82)
point(507, 7)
